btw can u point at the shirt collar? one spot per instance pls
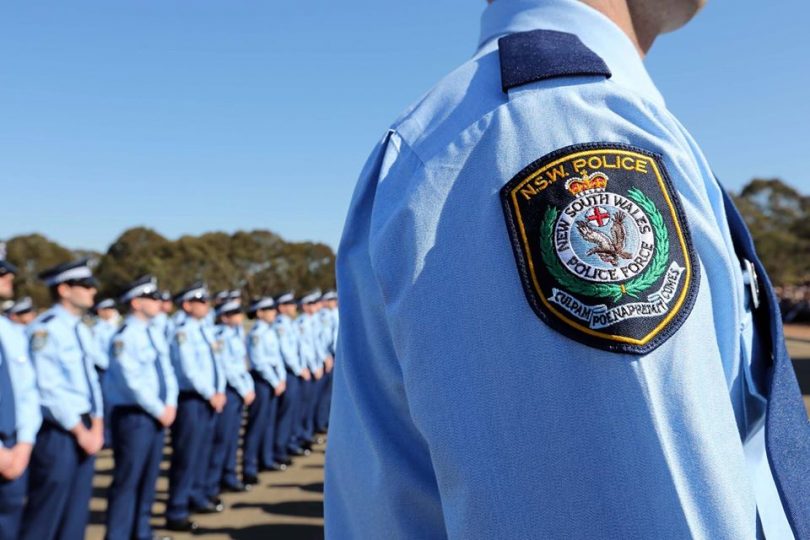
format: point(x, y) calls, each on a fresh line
point(596, 31)
point(60, 311)
point(136, 321)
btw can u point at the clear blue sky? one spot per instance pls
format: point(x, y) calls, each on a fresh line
point(192, 116)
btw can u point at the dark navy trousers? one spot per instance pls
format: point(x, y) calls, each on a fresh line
point(324, 402)
point(60, 484)
point(260, 428)
point(12, 500)
point(192, 436)
point(137, 450)
point(306, 429)
point(222, 466)
point(289, 412)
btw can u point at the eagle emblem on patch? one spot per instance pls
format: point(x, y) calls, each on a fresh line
point(39, 339)
point(254, 340)
point(602, 246)
point(180, 336)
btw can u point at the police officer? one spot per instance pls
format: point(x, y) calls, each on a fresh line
point(142, 390)
point(20, 416)
point(291, 406)
point(329, 325)
point(196, 358)
point(239, 392)
point(22, 313)
point(61, 470)
point(106, 325)
point(162, 321)
point(313, 355)
point(618, 336)
point(262, 440)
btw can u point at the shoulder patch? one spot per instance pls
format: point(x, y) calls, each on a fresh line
point(39, 339)
point(255, 339)
point(533, 56)
point(118, 347)
point(180, 337)
point(602, 247)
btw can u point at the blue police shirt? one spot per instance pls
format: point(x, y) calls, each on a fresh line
point(234, 359)
point(456, 411)
point(103, 332)
point(264, 352)
point(164, 324)
point(308, 342)
point(326, 332)
point(139, 360)
point(62, 350)
point(14, 352)
point(289, 337)
point(197, 358)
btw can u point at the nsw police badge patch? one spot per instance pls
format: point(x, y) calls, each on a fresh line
point(602, 247)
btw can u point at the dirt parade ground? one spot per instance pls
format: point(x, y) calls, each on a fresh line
point(289, 505)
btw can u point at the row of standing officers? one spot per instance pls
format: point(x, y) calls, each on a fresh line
point(68, 389)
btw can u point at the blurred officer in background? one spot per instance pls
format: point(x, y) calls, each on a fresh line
point(22, 312)
point(63, 460)
point(262, 440)
point(239, 392)
point(329, 331)
point(196, 358)
point(142, 391)
point(290, 407)
point(20, 416)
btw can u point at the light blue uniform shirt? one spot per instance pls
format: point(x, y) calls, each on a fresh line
point(197, 358)
point(164, 324)
point(103, 332)
point(456, 412)
point(62, 351)
point(234, 359)
point(288, 337)
point(326, 334)
point(264, 352)
point(308, 342)
point(14, 351)
point(137, 352)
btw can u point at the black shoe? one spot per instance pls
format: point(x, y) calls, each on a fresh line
point(238, 487)
point(209, 508)
point(286, 461)
point(277, 467)
point(217, 502)
point(250, 480)
point(182, 525)
point(297, 451)
point(307, 445)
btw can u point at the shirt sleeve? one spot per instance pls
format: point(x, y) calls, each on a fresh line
point(51, 378)
point(26, 398)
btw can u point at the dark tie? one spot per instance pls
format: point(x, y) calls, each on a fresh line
point(161, 376)
point(787, 431)
point(8, 411)
point(213, 359)
point(93, 404)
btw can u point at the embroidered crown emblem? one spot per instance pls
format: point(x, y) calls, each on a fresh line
point(587, 184)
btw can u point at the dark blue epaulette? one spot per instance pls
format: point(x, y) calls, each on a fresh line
point(545, 54)
point(121, 330)
point(47, 318)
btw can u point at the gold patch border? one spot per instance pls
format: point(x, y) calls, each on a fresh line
point(688, 263)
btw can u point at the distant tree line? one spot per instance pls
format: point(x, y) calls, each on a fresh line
point(779, 219)
point(258, 262)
